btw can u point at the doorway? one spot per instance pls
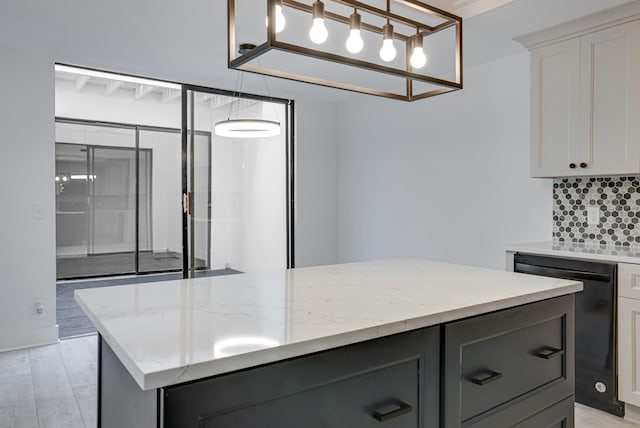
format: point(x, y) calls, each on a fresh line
point(145, 190)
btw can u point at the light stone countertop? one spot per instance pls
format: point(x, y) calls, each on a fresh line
point(171, 332)
point(576, 250)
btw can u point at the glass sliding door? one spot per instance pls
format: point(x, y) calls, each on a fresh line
point(239, 205)
point(160, 206)
point(101, 185)
point(135, 199)
point(72, 202)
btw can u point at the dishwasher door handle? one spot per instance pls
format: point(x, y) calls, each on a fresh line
point(561, 273)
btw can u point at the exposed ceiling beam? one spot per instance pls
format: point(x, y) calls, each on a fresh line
point(81, 81)
point(169, 94)
point(143, 90)
point(112, 87)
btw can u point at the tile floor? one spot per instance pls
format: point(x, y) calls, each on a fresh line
point(49, 386)
point(55, 386)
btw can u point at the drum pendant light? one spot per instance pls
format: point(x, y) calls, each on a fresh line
point(246, 127)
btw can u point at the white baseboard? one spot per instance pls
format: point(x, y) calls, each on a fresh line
point(631, 413)
point(20, 339)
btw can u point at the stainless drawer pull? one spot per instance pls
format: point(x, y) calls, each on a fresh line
point(549, 353)
point(490, 377)
point(396, 410)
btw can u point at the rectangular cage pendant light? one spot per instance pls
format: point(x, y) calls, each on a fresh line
point(400, 49)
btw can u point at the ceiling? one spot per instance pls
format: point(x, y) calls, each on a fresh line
point(186, 41)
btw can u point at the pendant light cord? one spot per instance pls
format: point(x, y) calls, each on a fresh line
point(236, 93)
point(264, 79)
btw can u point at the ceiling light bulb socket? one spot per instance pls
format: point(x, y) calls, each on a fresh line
point(318, 9)
point(355, 21)
point(387, 31)
point(245, 47)
point(417, 41)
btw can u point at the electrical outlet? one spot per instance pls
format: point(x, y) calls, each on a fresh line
point(39, 309)
point(593, 216)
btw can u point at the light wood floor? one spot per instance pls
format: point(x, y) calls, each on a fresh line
point(55, 386)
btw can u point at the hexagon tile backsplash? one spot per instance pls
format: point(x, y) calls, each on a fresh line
point(618, 200)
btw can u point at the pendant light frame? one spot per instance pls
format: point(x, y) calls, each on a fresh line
point(448, 20)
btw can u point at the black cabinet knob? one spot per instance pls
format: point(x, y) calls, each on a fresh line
point(583, 165)
point(572, 165)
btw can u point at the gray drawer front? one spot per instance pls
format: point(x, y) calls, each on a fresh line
point(350, 402)
point(337, 388)
point(501, 351)
point(560, 415)
point(514, 356)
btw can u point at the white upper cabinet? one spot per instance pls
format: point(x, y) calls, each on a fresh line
point(610, 108)
point(555, 140)
point(585, 99)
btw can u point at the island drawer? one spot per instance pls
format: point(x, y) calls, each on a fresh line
point(395, 379)
point(559, 415)
point(505, 358)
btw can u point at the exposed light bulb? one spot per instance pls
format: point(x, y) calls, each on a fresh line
point(418, 58)
point(281, 21)
point(355, 42)
point(318, 32)
point(388, 51)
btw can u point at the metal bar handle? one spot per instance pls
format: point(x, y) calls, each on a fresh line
point(550, 353)
point(491, 376)
point(560, 273)
point(401, 409)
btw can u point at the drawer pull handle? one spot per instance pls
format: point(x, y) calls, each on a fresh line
point(398, 409)
point(490, 377)
point(550, 353)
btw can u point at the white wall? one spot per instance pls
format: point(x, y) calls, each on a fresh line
point(445, 178)
point(249, 196)
point(27, 226)
point(317, 176)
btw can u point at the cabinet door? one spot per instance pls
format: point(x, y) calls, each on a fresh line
point(515, 362)
point(555, 85)
point(629, 280)
point(629, 350)
point(610, 110)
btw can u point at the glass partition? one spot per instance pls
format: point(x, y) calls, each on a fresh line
point(119, 199)
point(160, 210)
point(238, 186)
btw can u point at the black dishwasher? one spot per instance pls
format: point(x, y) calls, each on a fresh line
point(595, 330)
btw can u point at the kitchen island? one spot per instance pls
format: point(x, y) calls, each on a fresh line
point(400, 342)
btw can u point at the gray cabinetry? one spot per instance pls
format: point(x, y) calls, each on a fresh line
point(560, 415)
point(504, 367)
point(511, 368)
point(394, 379)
